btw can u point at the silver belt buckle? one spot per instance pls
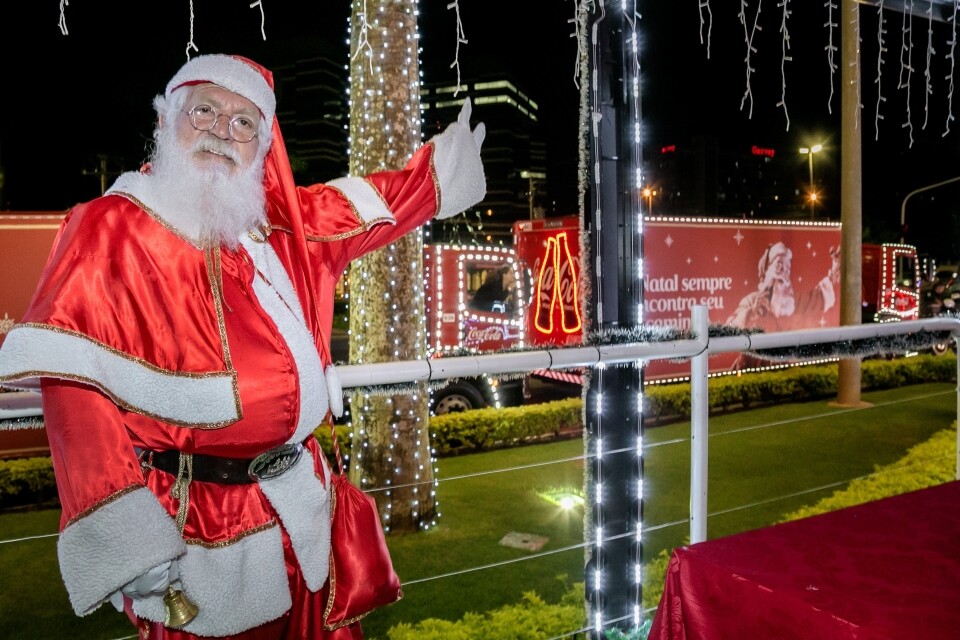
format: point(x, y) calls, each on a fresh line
point(274, 462)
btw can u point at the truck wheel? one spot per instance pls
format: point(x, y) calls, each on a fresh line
point(940, 348)
point(456, 397)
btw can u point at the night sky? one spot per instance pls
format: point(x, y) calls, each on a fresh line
point(71, 97)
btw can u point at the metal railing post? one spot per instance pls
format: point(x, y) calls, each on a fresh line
point(699, 416)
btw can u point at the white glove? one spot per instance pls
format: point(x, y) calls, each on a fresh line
point(458, 165)
point(153, 582)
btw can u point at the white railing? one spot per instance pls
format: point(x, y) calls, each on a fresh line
point(698, 350)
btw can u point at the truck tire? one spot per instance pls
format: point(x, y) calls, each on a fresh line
point(457, 396)
point(941, 348)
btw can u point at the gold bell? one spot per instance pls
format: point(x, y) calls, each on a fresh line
point(179, 610)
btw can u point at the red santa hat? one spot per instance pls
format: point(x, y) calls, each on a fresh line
point(234, 73)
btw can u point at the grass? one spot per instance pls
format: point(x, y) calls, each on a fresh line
point(763, 464)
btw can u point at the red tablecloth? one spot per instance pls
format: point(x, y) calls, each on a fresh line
point(887, 569)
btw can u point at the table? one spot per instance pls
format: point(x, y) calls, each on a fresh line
point(886, 569)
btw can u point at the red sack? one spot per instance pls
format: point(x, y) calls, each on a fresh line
point(361, 572)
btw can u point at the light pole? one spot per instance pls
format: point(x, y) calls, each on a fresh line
point(532, 177)
point(809, 151)
point(903, 207)
point(648, 193)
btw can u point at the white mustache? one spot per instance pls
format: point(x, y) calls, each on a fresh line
point(216, 145)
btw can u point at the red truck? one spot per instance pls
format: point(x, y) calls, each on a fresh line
point(483, 299)
point(776, 275)
point(772, 275)
point(27, 238)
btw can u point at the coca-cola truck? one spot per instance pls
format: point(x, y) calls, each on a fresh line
point(483, 299)
point(750, 274)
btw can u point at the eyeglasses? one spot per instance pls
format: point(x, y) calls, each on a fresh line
point(203, 117)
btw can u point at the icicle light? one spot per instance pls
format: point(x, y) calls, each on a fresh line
point(63, 16)
point(881, 49)
point(749, 32)
point(831, 48)
point(784, 58)
point(906, 64)
point(951, 57)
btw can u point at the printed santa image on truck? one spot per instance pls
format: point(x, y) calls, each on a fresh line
point(760, 274)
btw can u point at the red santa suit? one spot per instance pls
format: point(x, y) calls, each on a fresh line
point(143, 340)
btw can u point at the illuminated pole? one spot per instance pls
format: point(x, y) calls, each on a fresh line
point(613, 420)
point(391, 444)
point(809, 151)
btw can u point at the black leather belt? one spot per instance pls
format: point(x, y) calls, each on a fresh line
point(269, 464)
point(205, 468)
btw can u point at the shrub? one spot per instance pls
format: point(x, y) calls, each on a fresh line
point(530, 619)
point(26, 480)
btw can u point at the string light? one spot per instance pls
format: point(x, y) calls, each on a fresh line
point(383, 132)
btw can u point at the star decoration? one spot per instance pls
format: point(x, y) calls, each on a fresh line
point(738, 237)
point(668, 241)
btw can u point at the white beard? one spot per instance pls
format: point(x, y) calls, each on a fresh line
point(782, 301)
point(208, 204)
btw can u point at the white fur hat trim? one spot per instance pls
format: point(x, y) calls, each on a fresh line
point(231, 74)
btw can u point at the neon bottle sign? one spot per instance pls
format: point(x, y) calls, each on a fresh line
point(557, 286)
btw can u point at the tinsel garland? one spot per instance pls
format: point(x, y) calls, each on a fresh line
point(27, 422)
point(879, 346)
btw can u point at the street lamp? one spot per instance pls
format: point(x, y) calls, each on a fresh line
point(533, 177)
point(903, 207)
point(809, 151)
point(648, 193)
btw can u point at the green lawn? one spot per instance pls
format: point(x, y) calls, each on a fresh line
point(763, 464)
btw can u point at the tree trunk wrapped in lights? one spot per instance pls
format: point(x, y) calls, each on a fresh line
point(391, 444)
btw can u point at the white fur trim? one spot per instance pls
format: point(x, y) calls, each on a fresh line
point(277, 297)
point(334, 390)
point(30, 351)
point(364, 199)
point(236, 587)
point(303, 504)
point(231, 74)
point(113, 545)
point(456, 159)
point(141, 187)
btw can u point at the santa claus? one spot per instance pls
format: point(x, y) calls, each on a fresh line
point(180, 337)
